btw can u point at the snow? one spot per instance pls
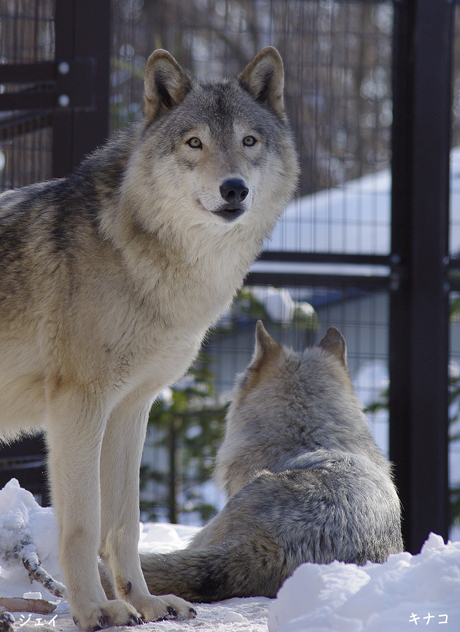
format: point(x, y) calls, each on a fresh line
point(405, 592)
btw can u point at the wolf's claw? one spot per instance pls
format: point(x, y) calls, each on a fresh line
point(172, 613)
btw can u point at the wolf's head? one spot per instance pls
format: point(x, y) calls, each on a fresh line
point(287, 405)
point(214, 152)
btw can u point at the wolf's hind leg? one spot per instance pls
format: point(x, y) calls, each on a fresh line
point(120, 461)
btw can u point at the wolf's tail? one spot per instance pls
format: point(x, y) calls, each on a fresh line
point(214, 573)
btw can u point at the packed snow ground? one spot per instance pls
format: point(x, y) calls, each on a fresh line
point(405, 592)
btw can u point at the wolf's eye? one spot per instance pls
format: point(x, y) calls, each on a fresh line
point(194, 143)
point(249, 141)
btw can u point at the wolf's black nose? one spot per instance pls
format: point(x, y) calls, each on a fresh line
point(234, 190)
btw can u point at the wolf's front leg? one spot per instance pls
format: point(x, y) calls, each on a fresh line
point(120, 461)
point(76, 423)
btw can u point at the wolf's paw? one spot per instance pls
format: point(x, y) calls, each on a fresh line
point(106, 615)
point(165, 607)
point(184, 609)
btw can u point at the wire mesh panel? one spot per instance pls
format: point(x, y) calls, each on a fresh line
point(26, 35)
point(27, 31)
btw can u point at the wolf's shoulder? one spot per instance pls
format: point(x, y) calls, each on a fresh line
point(101, 171)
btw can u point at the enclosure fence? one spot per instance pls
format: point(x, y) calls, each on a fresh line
point(370, 244)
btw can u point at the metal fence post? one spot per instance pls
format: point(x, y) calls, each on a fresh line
point(419, 310)
point(83, 31)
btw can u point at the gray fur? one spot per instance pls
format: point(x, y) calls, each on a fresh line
point(305, 481)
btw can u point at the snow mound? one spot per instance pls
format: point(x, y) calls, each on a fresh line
point(406, 591)
point(26, 531)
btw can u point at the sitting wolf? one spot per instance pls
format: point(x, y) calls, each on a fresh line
point(305, 481)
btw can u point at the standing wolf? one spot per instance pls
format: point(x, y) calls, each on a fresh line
point(109, 280)
point(305, 481)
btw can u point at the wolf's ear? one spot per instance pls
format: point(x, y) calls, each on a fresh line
point(263, 78)
point(165, 84)
point(265, 345)
point(334, 343)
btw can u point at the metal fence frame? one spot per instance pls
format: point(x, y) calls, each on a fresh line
point(418, 279)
